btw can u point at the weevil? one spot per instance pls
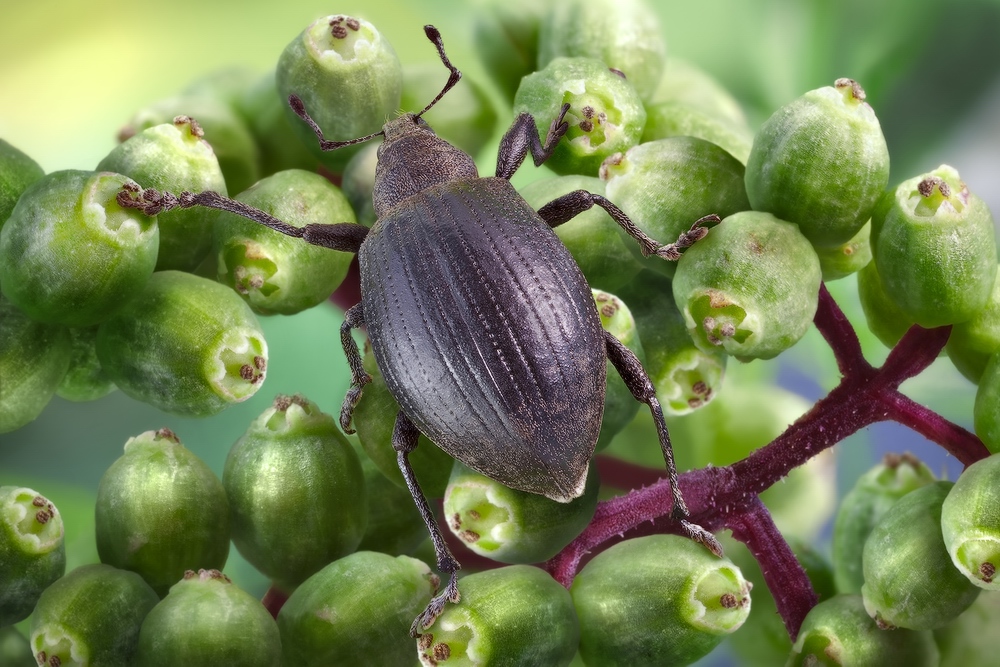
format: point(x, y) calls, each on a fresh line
point(478, 317)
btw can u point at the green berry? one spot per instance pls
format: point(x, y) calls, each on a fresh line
point(17, 172)
point(358, 183)
point(620, 406)
point(625, 35)
point(85, 380)
point(821, 162)
point(839, 632)
point(884, 318)
point(394, 525)
point(664, 186)
point(986, 410)
point(673, 119)
point(605, 115)
point(970, 523)
point(161, 511)
point(604, 256)
point(91, 616)
point(465, 117)
point(750, 287)
point(910, 581)
point(511, 616)
point(933, 243)
point(971, 638)
point(974, 341)
point(263, 111)
point(207, 620)
point(864, 505)
point(224, 130)
point(69, 254)
point(634, 610)
point(356, 610)
point(375, 418)
point(512, 526)
point(347, 76)
point(34, 358)
point(686, 376)
point(32, 552)
point(505, 36)
point(185, 344)
point(273, 272)
point(173, 157)
point(690, 102)
point(296, 492)
point(847, 258)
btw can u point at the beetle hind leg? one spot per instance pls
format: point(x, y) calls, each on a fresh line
point(638, 382)
point(353, 319)
point(404, 440)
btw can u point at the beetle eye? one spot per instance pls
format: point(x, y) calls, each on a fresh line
point(422, 124)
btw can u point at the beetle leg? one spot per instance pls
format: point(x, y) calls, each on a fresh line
point(565, 208)
point(404, 440)
point(345, 236)
point(353, 318)
point(522, 137)
point(638, 382)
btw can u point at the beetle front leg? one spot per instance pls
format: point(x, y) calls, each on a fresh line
point(404, 440)
point(522, 137)
point(353, 319)
point(565, 208)
point(638, 382)
point(344, 236)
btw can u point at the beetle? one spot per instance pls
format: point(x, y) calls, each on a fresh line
point(479, 319)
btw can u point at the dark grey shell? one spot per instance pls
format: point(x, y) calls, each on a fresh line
point(487, 334)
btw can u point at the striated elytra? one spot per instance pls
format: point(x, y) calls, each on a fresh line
point(479, 319)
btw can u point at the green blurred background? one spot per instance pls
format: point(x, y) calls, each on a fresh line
point(71, 73)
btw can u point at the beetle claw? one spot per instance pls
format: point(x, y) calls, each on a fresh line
point(435, 608)
point(695, 532)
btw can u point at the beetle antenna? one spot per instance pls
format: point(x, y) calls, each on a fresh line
point(295, 102)
point(435, 36)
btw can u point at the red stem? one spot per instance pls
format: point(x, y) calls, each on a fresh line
point(728, 496)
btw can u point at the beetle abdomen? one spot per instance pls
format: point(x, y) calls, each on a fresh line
point(487, 334)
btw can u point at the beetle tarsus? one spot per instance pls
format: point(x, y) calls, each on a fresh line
point(435, 608)
point(695, 532)
point(353, 319)
point(522, 137)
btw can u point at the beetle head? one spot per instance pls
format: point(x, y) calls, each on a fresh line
point(413, 158)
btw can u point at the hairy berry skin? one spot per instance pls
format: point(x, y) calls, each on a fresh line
point(821, 162)
point(296, 492)
point(161, 511)
point(970, 523)
point(185, 344)
point(173, 157)
point(69, 254)
point(32, 550)
point(17, 172)
point(910, 581)
point(934, 245)
point(986, 410)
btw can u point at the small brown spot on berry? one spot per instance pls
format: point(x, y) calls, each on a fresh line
point(456, 522)
point(729, 601)
point(474, 515)
point(425, 641)
point(617, 72)
point(587, 111)
point(42, 517)
point(260, 362)
point(55, 661)
point(39, 501)
point(167, 434)
point(987, 571)
point(353, 23)
point(609, 310)
point(246, 372)
point(586, 125)
point(442, 651)
point(282, 402)
point(469, 536)
point(338, 31)
point(700, 388)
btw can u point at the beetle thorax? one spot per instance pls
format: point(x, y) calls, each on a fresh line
point(413, 158)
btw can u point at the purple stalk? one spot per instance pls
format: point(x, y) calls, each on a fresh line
point(728, 496)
